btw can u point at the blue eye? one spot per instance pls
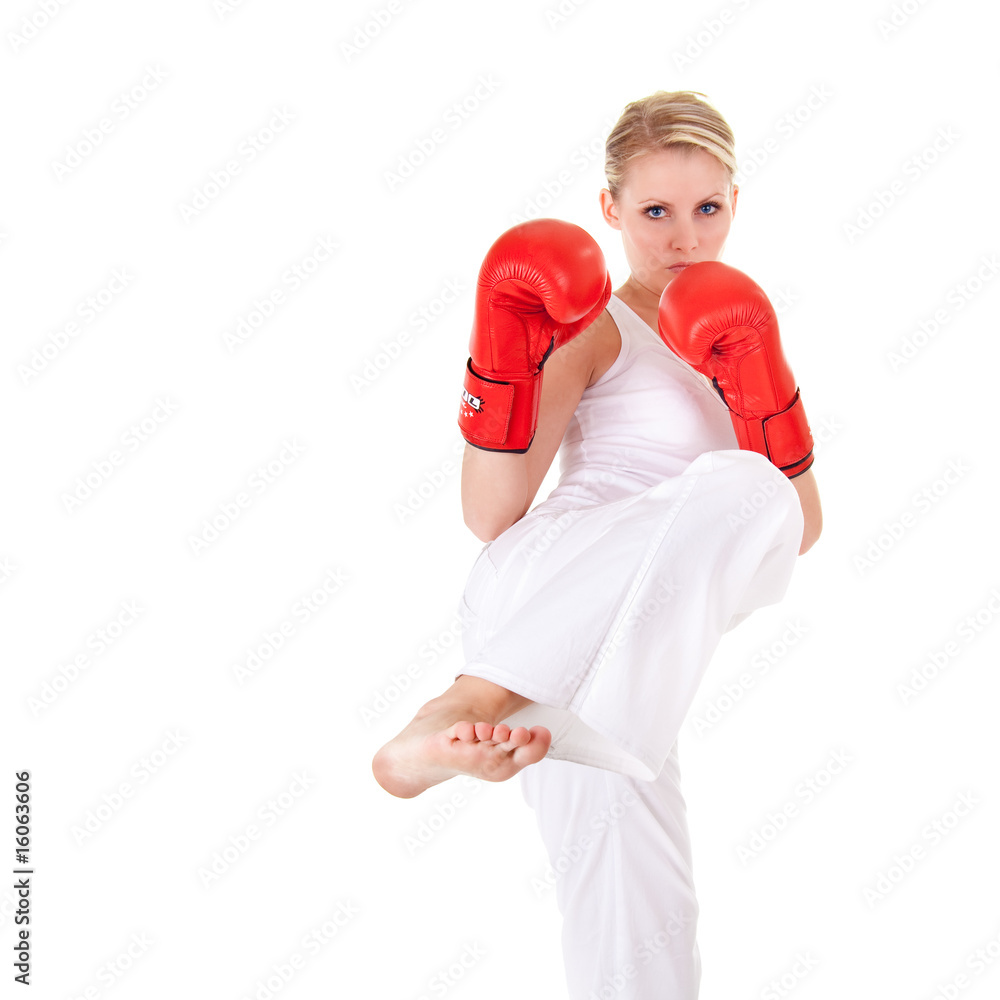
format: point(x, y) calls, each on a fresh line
point(659, 212)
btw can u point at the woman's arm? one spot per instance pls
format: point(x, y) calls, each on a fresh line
point(498, 488)
point(808, 491)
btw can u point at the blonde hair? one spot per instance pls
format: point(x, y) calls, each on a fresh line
point(664, 120)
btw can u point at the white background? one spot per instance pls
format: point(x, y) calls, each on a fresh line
point(155, 759)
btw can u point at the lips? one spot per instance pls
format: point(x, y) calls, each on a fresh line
point(681, 266)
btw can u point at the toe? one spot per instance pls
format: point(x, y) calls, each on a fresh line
point(541, 737)
point(501, 733)
point(519, 736)
point(464, 731)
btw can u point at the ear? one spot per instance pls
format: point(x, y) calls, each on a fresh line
point(609, 209)
point(736, 192)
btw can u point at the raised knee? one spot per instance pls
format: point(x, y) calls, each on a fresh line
point(759, 492)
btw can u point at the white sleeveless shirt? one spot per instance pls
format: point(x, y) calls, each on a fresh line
point(645, 420)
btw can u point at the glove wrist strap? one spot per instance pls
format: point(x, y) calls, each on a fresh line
point(499, 414)
point(784, 438)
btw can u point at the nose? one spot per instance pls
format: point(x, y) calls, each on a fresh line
point(684, 239)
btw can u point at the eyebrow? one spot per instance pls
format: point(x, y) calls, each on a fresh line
point(660, 201)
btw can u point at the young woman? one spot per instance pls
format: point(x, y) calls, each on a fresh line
point(681, 507)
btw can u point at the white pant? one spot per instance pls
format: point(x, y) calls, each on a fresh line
point(606, 617)
point(621, 858)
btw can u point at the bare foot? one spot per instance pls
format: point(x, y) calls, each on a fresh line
point(439, 743)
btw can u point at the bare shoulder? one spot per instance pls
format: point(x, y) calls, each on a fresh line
point(592, 352)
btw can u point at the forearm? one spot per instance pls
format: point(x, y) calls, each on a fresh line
point(494, 490)
point(812, 513)
point(499, 487)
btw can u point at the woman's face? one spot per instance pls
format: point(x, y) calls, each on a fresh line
point(673, 208)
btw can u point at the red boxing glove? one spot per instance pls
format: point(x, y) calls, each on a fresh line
point(541, 284)
point(720, 322)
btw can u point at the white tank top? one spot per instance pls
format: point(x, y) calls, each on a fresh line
point(646, 419)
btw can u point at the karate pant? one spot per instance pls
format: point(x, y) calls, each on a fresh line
point(606, 617)
point(621, 859)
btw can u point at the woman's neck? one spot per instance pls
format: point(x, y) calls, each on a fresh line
point(641, 301)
